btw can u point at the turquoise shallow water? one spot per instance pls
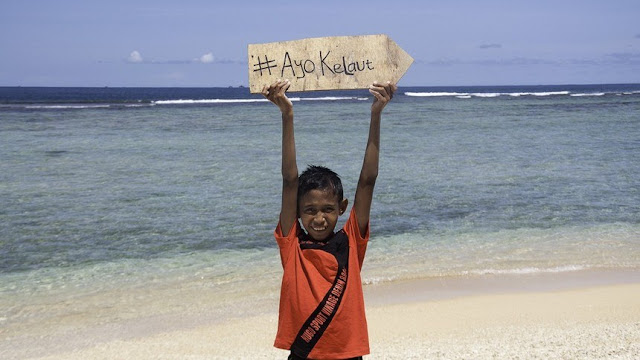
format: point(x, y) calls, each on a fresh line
point(107, 189)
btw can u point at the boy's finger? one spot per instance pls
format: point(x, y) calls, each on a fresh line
point(381, 90)
point(283, 85)
point(379, 95)
point(376, 86)
point(391, 89)
point(387, 89)
point(265, 91)
point(376, 94)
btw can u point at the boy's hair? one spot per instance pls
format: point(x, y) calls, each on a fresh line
point(319, 178)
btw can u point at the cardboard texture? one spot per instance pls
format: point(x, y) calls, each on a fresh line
point(328, 63)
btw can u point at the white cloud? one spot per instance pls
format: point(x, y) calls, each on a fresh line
point(135, 57)
point(207, 58)
point(490, 46)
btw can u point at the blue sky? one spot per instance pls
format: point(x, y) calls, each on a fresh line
point(204, 43)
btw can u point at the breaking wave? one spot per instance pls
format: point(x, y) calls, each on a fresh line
point(469, 95)
point(253, 100)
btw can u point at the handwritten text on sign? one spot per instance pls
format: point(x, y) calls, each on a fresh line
point(346, 62)
point(308, 66)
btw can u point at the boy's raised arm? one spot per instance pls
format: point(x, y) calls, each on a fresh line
point(276, 93)
point(364, 193)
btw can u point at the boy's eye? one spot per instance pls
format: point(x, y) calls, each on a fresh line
point(310, 211)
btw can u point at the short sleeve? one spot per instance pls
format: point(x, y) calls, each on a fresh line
point(287, 243)
point(356, 239)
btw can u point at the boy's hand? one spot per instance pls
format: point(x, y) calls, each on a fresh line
point(276, 93)
point(383, 93)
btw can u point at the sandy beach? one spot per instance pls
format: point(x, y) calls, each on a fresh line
point(570, 316)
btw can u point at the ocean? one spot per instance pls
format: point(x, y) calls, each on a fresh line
point(123, 202)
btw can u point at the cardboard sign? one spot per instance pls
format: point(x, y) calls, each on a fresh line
point(329, 63)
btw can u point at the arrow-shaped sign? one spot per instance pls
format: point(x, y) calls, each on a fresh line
point(339, 62)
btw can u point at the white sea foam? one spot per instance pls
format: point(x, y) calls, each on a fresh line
point(138, 105)
point(526, 270)
point(375, 280)
point(434, 94)
point(539, 93)
point(207, 101)
point(58, 107)
point(231, 101)
point(332, 98)
point(485, 95)
point(380, 279)
point(548, 93)
point(588, 94)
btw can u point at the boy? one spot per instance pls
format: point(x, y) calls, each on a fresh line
point(321, 303)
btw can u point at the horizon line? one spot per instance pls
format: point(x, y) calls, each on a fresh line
point(246, 86)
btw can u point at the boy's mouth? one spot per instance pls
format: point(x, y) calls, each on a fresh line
point(319, 229)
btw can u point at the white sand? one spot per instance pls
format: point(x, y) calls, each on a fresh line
point(592, 323)
point(600, 322)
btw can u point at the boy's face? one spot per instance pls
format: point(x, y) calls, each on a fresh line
point(319, 211)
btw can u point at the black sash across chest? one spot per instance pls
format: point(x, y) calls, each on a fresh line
point(315, 325)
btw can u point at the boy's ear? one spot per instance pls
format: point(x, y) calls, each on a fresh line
point(343, 205)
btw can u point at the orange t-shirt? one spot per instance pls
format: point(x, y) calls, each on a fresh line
point(314, 296)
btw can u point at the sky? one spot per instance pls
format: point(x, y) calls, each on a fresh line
point(204, 43)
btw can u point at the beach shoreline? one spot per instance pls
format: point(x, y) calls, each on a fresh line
point(578, 314)
point(130, 234)
point(450, 287)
